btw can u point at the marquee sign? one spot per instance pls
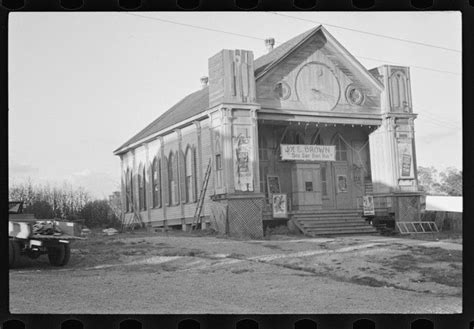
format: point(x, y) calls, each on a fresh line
point(308, 152)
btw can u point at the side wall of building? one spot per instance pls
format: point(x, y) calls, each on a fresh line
point(151, 194)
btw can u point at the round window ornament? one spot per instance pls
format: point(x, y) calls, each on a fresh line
point(282, 90)
point(354, 95)
point(317, 87)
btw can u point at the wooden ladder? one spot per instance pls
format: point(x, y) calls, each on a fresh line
point(136, 215)
point(197, 214)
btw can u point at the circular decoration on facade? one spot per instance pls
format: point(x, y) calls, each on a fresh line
point(282, 90)
point(354, 95)
point(318, 87)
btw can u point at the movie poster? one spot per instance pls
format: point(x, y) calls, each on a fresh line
point(341, 183)
point(279, 206)
point(405, 158)
point(368, 203)
point(243, 160)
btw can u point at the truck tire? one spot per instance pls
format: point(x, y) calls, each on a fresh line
point(13, 253)
point(59, 255)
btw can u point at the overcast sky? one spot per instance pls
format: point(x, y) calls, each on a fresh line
point(81, 84)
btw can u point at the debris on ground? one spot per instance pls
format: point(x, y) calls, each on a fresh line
point(109, 231)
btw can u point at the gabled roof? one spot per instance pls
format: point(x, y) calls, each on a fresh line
point(263, 62)
point(188, 107)
point(198, 102)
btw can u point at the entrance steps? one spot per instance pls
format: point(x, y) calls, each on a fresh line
point(331, 222)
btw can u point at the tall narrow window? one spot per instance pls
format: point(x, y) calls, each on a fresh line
point(173, 178)
point(131, 190)
point(127, 190)
point(324, 180)
point(299, 138)
point(341, 149)
point(219, 169)
point(189, 174)
point(156, 182)
point(218, 157)
point(142, 187)
point(316, 139)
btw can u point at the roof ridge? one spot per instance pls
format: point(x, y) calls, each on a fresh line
point(163, 116)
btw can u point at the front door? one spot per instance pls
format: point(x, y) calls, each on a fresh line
point(342, 186)
point(306, 191)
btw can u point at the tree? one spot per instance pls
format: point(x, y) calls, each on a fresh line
point(98, 214)
point(428, 180)
point(447, 182)
point(451, 181)
point(41, 210)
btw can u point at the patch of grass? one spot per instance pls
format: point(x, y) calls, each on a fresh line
point(236, 256)
point(368, 281)
point(116, 242)
point(456, 266)
point(278, 230)
point(447, 278)
point(438, 254)
point(401, 263)
point(272, 246)
point(240, 271)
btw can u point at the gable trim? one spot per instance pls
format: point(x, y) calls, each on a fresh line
point(333, 42)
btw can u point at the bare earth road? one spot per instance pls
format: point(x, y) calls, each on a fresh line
point(157, 273)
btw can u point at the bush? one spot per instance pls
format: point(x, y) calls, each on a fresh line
point(41, 210)
point(99, 214)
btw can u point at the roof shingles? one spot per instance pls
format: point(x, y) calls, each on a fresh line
point(198, 102)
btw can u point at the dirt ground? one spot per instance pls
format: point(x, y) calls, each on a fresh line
point(176, 272)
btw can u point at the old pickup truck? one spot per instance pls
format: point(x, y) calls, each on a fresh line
point(31, 237)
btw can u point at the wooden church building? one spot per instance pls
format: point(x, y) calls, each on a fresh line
point(302, 134)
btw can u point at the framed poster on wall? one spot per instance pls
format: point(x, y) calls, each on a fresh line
point(273, 185)
point(341, 183)
point(279, 206)
point(368, 203)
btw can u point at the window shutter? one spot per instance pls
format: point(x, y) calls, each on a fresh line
point(194, 173)
point(182, 176)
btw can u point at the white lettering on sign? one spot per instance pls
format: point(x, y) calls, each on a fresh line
point(308, 152)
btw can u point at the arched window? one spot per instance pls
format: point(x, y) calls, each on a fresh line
point(190, 174)
point(173, 178)
point(341, 148)
point(142, 187)
point(399, 91)
point(156, 182)
point(316, 138)
point(299, 139)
